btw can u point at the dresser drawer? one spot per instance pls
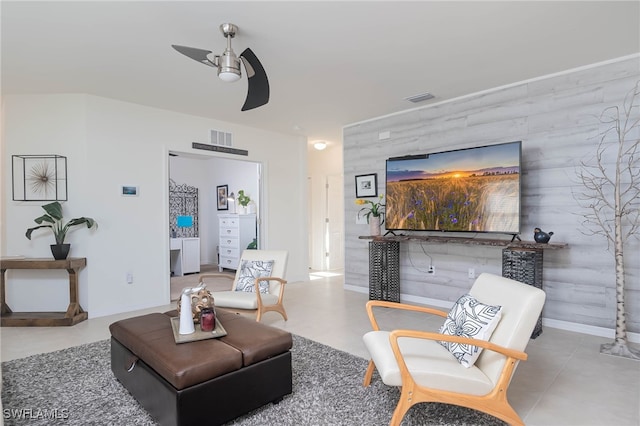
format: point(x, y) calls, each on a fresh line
point(231, 242)
point(229, 262)
point(229, 232)
point(230, 252)
point(229, 222)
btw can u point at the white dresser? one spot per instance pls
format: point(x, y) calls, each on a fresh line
point(237, 231)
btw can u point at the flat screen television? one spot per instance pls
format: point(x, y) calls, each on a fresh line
point(465, 190)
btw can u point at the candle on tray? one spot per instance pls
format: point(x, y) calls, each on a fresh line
point(207, 319)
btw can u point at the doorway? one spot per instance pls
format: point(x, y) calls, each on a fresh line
point(335, 228)
point(207, 173)
point(326, 227)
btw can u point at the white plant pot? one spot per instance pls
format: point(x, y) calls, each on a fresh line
point(374, 225)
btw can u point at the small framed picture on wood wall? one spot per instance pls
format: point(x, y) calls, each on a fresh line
point(367, 185)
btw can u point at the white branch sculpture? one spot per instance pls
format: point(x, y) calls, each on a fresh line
point(612, 198)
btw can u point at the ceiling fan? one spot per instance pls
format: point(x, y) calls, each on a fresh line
point(228, 66)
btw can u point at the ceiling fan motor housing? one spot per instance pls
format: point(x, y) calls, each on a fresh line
point(229, 66)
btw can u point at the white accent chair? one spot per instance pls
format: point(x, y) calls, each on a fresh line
point(427, 372)
point(255, 301)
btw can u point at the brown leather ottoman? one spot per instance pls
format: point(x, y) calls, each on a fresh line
point(207, 382)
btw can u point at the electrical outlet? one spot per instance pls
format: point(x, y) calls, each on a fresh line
point(361, 220)
point(432, 270)
point(129, 278)
point(472, 273)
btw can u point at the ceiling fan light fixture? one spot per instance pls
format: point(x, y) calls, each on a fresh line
point(229, 66)
point(228, 76)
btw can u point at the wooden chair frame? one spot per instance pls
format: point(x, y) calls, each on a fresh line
point(262, 308)
point(494, 403)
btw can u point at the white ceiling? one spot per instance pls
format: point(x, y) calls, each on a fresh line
point(329, 63)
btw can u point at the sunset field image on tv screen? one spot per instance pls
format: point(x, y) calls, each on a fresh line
point(466, 190)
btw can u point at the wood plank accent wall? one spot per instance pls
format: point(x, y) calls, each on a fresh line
point(556, 119)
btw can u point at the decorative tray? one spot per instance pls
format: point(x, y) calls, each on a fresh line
point(219, 331)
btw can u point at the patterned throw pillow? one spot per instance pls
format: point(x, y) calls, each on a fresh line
point(249, 271)
point(469, 318)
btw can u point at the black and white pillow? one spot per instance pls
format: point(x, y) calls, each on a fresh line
point(249, 271)
point(469, 318)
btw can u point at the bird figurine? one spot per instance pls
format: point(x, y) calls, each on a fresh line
point(540, 236)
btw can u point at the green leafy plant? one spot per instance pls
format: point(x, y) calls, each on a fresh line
point(253, 245)
point(54, 220)
point(243, 199)
point(376, 209)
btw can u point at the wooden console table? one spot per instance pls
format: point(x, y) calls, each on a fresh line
point(521, 261)
point(74, 313)
point(437, 239)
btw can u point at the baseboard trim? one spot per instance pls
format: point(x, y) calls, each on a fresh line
point(552, 323)
point(588, 329)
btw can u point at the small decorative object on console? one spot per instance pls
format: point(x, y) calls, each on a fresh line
point(541, 237)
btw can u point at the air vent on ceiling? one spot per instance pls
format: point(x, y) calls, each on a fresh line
point(221, 138)
point(420, 98)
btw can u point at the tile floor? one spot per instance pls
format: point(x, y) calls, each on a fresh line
point(565, 381)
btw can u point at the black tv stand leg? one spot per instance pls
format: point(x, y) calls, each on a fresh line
point(515, 237)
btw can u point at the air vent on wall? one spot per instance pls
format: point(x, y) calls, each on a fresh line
point(420, 98)
point(221, 138)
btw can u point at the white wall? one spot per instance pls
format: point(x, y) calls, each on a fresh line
point(556, 119)
point(59, 129)
point(110, 143)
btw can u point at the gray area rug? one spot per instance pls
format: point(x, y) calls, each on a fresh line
point(75, 386)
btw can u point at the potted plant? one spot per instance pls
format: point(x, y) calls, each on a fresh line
point(243, 200)
point(374, 214)
point(53, 220)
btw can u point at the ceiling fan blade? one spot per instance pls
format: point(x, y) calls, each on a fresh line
point(258, 92)
point(199, 55)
